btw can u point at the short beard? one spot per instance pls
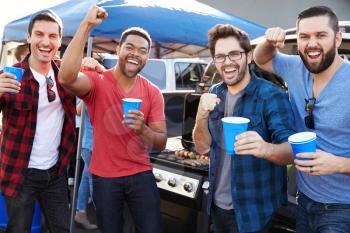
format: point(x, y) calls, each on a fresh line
point(131, 75)
point(128, 74)
point(326, 61)
point(239, 77)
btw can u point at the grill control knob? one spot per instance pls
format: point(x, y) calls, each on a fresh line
point(188, 186)
point(158, 177)
point(172, 182)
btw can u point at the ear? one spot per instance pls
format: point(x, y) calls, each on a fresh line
point(117, 49)
point(338, 39)
point(249, 57)
point(28, 38)
point(60, 42)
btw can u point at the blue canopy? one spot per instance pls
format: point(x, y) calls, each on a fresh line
point(172, 24)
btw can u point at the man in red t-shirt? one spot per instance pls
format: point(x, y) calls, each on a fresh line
point(121, 168)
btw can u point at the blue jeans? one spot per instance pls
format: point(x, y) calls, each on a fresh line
point(85, 187)
point(50, 190)
point(315, 217)
point(224, 221)
point(138, 191)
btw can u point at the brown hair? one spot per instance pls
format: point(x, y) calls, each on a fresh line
point(320, 11)
point(20, 50)
point(138, 32)
point(45, 15)
point(221, 31)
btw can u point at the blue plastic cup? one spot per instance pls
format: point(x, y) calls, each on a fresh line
point(18, 72)
point(303, 142)
point(232, 127)
point(36, 220)
point(130, 104)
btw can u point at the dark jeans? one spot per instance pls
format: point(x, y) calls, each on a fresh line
point(224, 221)
point(138, 191)
point(51, 192)
point(315, 217)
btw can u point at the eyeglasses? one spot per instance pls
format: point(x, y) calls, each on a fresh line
point(233, 56)
point(309, 107)
point(51, 95)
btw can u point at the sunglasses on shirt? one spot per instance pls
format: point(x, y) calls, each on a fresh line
point(309, 108)
point(51, 95)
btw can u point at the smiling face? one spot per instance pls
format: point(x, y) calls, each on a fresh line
point(44, 41)
point(232, 72)
point(133, 55)
point(317, 43)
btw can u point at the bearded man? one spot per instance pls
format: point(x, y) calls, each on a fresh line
point(318, 83)
point(245, 188)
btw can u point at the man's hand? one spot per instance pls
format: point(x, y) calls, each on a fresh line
point(95, 16)
point(276, 37)
point(207, 103)
point(8, 83)
point(251, 143)
point(321, 163)
point(89, 63)
point(137, 123)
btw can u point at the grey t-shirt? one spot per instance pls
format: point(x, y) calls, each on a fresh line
point(332, 123)
point(222, 193)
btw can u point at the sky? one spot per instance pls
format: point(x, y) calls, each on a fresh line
point(15, 9)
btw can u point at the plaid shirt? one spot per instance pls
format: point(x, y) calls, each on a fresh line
point(19, 126)
point(258, 186)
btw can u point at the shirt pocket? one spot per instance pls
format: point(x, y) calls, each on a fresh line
point(215, 126)
point(20, 114)
point(256, 124)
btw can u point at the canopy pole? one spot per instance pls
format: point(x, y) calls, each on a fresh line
point(2, 52)
point(77, 169)
point(89, 46)
point(77, 165)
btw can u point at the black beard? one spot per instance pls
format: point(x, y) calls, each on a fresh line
point(128, 74)
point(326, 61)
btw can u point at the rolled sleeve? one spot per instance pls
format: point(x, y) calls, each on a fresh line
point(280, 117)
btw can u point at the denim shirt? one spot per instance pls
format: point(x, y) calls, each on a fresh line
point(259, 187)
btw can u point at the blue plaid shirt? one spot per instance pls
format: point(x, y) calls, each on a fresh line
point(259, 187)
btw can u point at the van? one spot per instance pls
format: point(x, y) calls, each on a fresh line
point(175, 78)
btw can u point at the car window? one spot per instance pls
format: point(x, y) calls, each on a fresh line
point(154, 71)
point(188, 75)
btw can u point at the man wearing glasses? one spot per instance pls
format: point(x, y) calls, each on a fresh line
point(38, 133)
point(246, 188)
point(318, 82)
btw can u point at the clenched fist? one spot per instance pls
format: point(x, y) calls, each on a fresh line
point(207, 104)
point(275, 36)
point(95, 16)
point(89, 63)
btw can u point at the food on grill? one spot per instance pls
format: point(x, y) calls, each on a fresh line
point(196, 162)
point(191, 155)
point(171, 157)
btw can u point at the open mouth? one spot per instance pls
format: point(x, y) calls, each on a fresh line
point(229, 71)
point(132, 63)
point(313, 54)
point(45, 51)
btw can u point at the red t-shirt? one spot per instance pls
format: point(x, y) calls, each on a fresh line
point(117, 150)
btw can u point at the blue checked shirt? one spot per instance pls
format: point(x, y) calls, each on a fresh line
point(259, 187)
